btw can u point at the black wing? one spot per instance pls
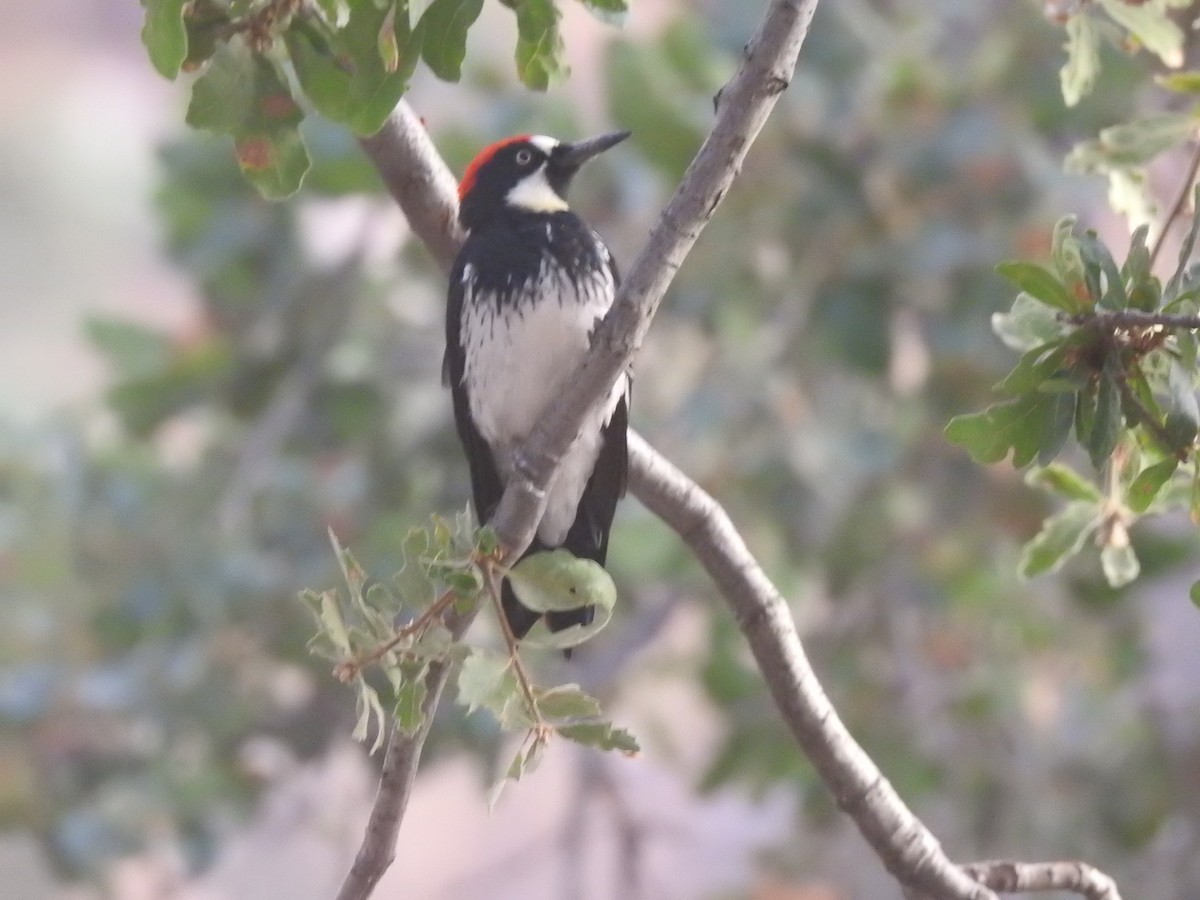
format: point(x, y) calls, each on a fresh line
point(486, 487)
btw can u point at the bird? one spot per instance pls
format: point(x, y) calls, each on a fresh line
point(526, 291)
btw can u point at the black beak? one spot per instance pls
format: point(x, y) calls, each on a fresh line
point(569, 157)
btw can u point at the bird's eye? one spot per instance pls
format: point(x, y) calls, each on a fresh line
point(524, 157)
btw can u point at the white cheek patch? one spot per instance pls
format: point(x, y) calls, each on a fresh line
point(533, 192)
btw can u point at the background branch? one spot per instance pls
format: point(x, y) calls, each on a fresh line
point(1177, 205)
point(1113, 320)
point(1012, 877)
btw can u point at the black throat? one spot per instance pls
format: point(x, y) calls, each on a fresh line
point(517, 249)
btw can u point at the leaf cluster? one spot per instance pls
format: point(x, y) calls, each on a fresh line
point(397, 627)
point(350, 60)
point(1121, 152)
point(1109, 358)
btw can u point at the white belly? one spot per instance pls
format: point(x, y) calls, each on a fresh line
point(517, 364)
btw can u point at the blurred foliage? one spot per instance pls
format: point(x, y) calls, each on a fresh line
point(397, 627)
point(831, 320)
point(1103, 361)
point(352, 60)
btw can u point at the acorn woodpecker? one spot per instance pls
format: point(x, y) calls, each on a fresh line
point(526, 291)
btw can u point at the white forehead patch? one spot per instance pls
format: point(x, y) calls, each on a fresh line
point(543, 142)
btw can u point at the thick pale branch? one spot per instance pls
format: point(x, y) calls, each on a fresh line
point(418, 179)
point(905, 845)
point(378, 847)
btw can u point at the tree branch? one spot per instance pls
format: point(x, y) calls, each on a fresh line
point(905, 845)
point(1118, 319)
point(424, 187)
point(1011, 877)
point(396, 778)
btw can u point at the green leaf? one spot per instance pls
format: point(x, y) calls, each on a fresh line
point(486, 541)
point(1149, 482)
point(1065, 253)
point(1061, 537)
point(1032, 369)
point(1078, 75)
point(602, 736)
point(1057, 478)
point(413, 584)
point(369, 710)
point(647, 95)
point(1035, 425)
point(1129, 194)
point(486, 680)
point(410, 698)
point(323, 81)
point(1151, 25)
point(1194, 593)
point(1097, 260)
point(245, 95)
point(133, 350)
point(374, 88)
point(1144, 289)
point(1040, 284)
point(207, 24)
point(567, 703)
point(165, 35)
point(557, 580)
point(1120, 564)
point(1183, 82)
point(613, 12)
point(1029, 324)
point(274, 162)
point(525, 762)
point(465, 582)
point(1137, 142)
point(446, 23)
point(539, 45)
point(1182, 421)
point(1106, 427)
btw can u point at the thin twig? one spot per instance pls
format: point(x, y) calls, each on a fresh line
point(491, 585)
point(348, 671)
point(1177, 205)
point(1112, 320)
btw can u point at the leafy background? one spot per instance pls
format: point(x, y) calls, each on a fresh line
point(200, 382)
